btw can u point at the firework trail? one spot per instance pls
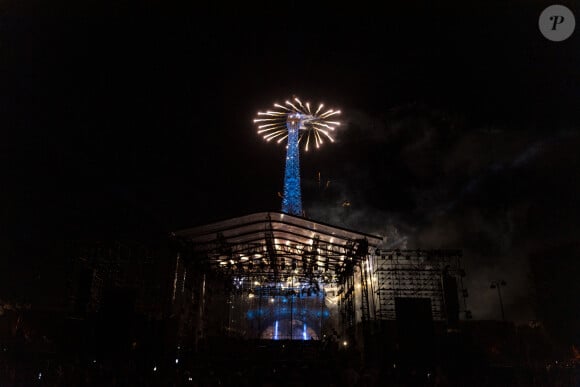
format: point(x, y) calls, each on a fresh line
point(315, 125)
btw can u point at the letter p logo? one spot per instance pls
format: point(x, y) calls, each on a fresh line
point(557, 23)
point(557, 20)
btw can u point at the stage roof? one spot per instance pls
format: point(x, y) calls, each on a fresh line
point(276, 237)
point(250, 228)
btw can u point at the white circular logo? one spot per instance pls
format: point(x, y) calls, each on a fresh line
point(557, 23)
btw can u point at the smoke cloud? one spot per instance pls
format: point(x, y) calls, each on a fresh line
point(422, 178)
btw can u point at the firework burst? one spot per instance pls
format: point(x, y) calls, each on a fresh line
point(316, 124)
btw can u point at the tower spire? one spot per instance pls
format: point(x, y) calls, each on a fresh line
point(292, 198)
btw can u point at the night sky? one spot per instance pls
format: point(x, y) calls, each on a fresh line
point(129, 119)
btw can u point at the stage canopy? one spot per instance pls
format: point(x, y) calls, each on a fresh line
point(276, 243)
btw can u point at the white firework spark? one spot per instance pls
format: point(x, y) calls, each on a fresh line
point(316, 126)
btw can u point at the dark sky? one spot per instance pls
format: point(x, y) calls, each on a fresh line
point(129, 118)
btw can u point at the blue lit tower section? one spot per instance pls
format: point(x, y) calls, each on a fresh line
point(296, 123)
point(292, 199)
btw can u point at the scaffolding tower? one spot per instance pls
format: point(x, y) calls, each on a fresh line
point(417, 274)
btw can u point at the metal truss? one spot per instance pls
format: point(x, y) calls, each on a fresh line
point(414, 274)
